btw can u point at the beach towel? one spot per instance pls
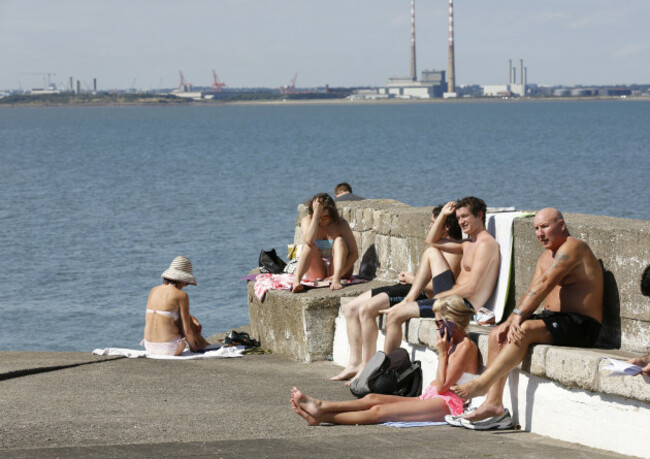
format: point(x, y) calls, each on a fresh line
point(499, 224)
point(266, 282)
point(414, 424)
point(215, 351)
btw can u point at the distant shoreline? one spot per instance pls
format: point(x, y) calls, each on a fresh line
point(341, 101)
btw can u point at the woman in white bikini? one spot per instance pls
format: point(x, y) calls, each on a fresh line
point(457, 358)
point(168, 323)
point(329, 250)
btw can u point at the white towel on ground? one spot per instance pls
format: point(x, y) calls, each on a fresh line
point(414, 424)
point(223, 352)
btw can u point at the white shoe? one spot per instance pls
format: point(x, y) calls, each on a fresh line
point(495, 422)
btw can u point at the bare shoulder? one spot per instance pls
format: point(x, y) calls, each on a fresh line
point(574, 246)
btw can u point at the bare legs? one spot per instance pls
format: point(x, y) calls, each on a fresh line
point(361, 321)
point(432, 263)
point(311, 265)
point(371, 409)
point(501, 359)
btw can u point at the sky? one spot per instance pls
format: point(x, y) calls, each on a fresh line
point(144, 44)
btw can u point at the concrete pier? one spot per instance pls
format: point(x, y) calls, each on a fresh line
point(69, 405)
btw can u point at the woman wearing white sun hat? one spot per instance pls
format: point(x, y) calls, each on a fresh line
point(168, 323)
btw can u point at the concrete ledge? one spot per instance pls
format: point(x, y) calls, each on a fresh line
point(300, 326)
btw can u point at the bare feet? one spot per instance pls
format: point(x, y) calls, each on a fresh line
point(349, 383)
point(336, 285)
point(307, 407)
point(297, 288)
point(470, 389)
point(486, 410)
point(347, 373)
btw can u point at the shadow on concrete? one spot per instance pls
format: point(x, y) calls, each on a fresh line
point(610, 332)
point(369, 263)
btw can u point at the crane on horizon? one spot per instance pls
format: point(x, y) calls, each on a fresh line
point(216, 84)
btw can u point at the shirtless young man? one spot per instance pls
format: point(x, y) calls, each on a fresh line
point(329, 250)
point(479, 269)
point(569, 277)
point(361, 313)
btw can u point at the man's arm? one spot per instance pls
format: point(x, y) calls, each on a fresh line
point(485, 255)
point(437, 228)
point(566, 259)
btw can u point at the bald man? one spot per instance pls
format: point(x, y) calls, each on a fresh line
point(569, 277)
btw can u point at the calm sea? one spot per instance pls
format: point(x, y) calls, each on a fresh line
point(97, 201)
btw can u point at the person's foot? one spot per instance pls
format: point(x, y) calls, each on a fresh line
point(297, 288)
point(470, 390)
point(347, 373)
point(310, 419)
point(336, 285)
point(486, 410)
point(349, 383)
point(309, 405)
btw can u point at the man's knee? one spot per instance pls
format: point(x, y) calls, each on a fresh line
point(370, 309)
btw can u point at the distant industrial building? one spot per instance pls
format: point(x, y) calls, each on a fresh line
point(512, 88)
point(431, 84)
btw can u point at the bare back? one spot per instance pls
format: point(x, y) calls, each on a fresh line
point(579, 288)
point(160, 328)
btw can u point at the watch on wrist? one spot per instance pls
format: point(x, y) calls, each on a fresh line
point(518, 312)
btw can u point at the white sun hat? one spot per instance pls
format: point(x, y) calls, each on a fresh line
point(180, 270)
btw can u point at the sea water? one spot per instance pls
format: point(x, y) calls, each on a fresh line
point(96, 201)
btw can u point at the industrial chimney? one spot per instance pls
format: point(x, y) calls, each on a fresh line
point(451, 84)
point(413, 69)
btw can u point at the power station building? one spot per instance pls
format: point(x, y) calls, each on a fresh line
point(431, 84)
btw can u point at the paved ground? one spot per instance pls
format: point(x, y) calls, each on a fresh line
point(87, 406)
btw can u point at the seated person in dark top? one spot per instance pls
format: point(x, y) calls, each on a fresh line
point(343, 192)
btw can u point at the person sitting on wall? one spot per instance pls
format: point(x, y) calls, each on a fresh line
point(645, 290)
point(361, 313)
point(168, 323)
point(329, 249)
point(569, 278)
point(343, 192)
point(457, 358)
point(479, 269)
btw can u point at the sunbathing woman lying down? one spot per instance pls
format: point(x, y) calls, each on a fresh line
point(168, 323)
point(457, 357)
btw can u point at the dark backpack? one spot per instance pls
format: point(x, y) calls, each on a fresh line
point(392, 374)
point(270, 262)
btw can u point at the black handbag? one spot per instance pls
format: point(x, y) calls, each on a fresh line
point(271, 263)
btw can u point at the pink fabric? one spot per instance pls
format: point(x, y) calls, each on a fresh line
point(266, 282)
point(453, 401)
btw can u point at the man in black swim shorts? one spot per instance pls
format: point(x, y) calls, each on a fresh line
point(569, 279)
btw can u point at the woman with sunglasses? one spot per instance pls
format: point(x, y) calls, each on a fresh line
point(329, 249)
point(457, 360)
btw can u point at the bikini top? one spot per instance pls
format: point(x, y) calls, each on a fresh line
point(173, 314)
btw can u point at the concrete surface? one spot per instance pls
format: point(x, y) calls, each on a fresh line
point(212, 408)
point(300, 325)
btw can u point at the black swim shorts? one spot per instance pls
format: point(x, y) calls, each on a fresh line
point(441, 283)
point(396, 293)
point(569, 328)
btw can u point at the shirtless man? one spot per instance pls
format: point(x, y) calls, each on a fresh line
point(329, 250)
point(479, 269)
point(361, 313)
point(569, 277)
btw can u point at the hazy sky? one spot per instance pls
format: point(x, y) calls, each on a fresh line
point(337, 42)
